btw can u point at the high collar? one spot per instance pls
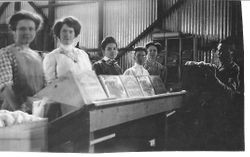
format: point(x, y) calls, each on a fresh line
point(67, 48)
point(105, 58)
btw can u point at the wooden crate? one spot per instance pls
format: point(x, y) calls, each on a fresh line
point(29, 136)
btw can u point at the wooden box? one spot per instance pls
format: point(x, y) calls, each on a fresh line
point(28, 137)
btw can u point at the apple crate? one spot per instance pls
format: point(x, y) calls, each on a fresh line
point(28, 137)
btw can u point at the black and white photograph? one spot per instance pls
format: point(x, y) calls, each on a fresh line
point(122, 76)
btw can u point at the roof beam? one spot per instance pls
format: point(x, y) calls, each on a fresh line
point(66, 4)
point(3, 7)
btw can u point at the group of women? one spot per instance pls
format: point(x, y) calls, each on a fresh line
point(24, 72)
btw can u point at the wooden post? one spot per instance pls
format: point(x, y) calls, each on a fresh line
point(180, 60)
point(17, 6)
point(195, 48)
point(100, 28)
point(49, 43)
point(91, 147)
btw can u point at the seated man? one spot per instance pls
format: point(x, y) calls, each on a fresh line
point(222, 116)
point(139, 57)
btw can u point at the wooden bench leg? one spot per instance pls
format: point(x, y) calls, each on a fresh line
point(91, 146)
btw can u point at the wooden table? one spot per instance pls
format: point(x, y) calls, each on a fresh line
point(80, 126)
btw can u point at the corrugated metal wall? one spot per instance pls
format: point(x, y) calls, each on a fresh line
point(87, 14)
point(26, 6)
point(208, 20)
point(126, 19)
point(7, 13)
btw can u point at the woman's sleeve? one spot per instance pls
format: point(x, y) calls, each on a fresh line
point(85, 58)
point(49, 66)
point(128, 72)
point(6, 74)
point(97, 68)
point(89, 63)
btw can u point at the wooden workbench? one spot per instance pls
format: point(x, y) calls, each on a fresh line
point(97, 122)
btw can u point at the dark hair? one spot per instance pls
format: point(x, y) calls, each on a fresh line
point(23, 15)
point(140, 48)
point(224, 46)
point(69, 21)
point(151, 43)
point(106, 41)
point(156, 44)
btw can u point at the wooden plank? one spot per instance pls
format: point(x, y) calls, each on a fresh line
point(29, 136)
point(68, 4)
point(107, 117)
point(3, 7)
point(121, 102)
point(101, 139)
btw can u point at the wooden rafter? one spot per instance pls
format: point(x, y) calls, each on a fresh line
point(152, 26)
point(67, 4)
point(3, 7)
